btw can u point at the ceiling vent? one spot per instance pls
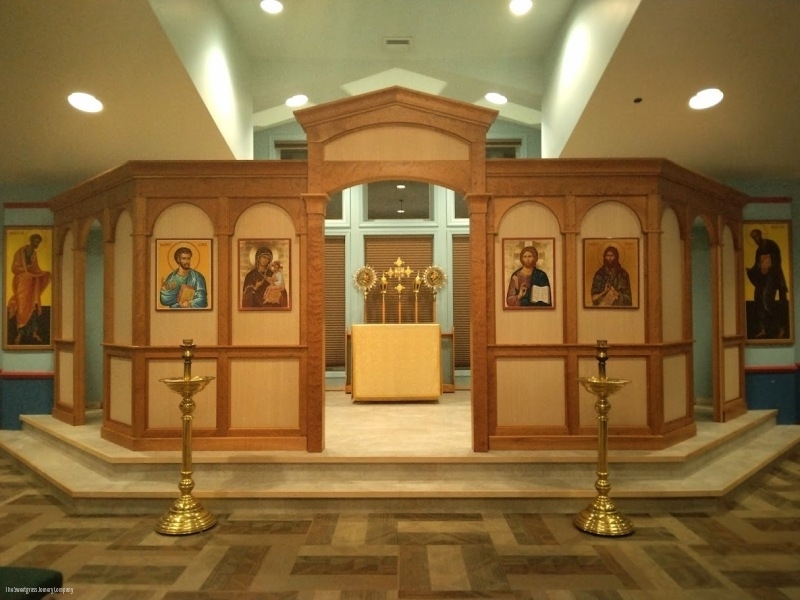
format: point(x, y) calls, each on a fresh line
point(397, 44)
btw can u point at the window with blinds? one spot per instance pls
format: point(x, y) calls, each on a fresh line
point(291, 150)
point(335, 282)
point(503, 148)
point(462, 290)
point(298, 150)
point(380, 253)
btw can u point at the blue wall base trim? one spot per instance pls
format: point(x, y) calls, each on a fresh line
point(777, 390)
point(25, 396)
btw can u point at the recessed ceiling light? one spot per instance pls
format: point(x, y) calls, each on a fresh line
point(520, 7)
point(85, 102)
point(272, 7)
point(298, 100)
point(706, 99)
point(496, 98)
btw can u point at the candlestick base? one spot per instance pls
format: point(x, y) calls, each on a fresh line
point(601, 517)
point(186, 516)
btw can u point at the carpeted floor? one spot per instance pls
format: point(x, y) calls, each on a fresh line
point(750, 549)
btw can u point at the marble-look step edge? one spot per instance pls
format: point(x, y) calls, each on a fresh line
point(79, 481)
point(330, 473)
point(55, 433)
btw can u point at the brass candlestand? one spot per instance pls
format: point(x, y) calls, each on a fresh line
point(365, 279)
point(601, 517)
point(186, 514)
point(383, 298)
point(417, 284)
point(434, 278)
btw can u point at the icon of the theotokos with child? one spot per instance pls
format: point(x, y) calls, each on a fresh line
point(264, 285)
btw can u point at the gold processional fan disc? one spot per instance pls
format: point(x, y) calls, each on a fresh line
point(365, 278)
point(434, 277)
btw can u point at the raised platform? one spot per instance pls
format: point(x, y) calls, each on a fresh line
point(399, 457)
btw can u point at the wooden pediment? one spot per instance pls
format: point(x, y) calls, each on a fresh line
point(396, 133)
point(395, 105)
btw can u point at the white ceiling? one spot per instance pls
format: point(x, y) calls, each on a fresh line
point(461, 49)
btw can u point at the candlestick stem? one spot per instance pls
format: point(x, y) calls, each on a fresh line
point(186, 515)
point(601, 517)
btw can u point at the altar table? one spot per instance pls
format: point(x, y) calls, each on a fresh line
point(396, 363)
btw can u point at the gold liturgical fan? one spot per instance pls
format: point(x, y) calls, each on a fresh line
point(433, 277)
point(186, 515)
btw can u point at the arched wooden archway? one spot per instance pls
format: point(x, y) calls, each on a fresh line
point(395, 133)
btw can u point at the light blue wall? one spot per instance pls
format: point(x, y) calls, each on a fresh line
point(701, 311)
point(264, 140)
point(93, 317)
point(531, 137)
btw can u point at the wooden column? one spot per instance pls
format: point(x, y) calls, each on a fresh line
point(479, 307)
point(571, 300)
point(79, 325)
point(312, 325)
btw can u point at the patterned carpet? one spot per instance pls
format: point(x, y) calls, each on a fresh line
point(750, 549)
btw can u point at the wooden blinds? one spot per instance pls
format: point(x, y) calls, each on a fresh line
point(462, 291)
point(380, 253)
point(335, 281)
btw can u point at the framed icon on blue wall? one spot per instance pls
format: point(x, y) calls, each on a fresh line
point(768, 282)
point(27, 287)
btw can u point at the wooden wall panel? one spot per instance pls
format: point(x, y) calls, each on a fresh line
point(731, 360)
point(396, 142)
point(531, 392)
point(675, 386)
point(265, 393)
point(120, 377)
point(66, 366)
